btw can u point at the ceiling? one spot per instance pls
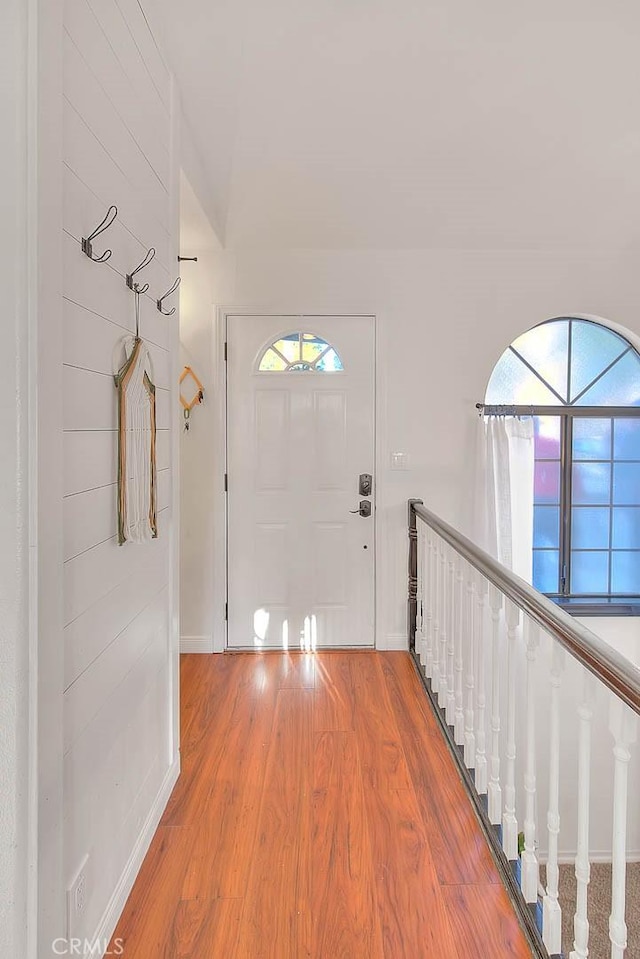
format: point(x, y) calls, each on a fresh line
point(400, 124)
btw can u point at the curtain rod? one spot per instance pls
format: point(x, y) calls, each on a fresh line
point(498, 409)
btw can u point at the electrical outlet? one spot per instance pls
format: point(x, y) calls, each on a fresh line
point(80, 893)
point(77, 899)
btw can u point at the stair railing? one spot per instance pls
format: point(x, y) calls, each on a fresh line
point(541, 715)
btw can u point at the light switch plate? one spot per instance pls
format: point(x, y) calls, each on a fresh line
point(399, 461)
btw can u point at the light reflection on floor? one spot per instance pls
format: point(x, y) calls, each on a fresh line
point(308, 633)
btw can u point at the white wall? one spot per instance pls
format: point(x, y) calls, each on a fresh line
point(444, 318)
point(120, 603)
point(623, 633)
point(14, 487)
point(197, 448)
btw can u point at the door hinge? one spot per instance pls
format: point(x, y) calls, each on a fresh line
point(226, 351)
point(226, 612)
point(226, 482)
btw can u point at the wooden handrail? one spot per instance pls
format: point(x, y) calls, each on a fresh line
point(607, 664)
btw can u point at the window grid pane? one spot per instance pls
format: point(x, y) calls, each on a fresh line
point(546, 499)
point(590, 572)
point(300, 353)
point(546, 570)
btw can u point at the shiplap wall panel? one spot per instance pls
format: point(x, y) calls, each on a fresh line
point(93, 343)
point(124, 780)
point(118, 658)
point(107, 734)
point(148, 48)
point(88, 635)
point(91, 517)
point(93, 165)
point(90, 102)
point(102, 747)
point(84, 697)
point(120, 35)
point(83, 211)
point(90, 401)
point(84, 29)
point(90, 458)
point(93, 574)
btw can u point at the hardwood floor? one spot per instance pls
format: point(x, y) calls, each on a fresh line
point(318, 814)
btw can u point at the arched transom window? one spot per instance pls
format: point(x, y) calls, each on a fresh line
point(581, 383)
point(300, 352)
point(570, 362)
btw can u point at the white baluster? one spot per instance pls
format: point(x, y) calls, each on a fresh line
point(623, 726)
point(423, 588)
point(529, 874)
point(469, 729)
point(458, 719)
point(551, 911)
point(583, 868)
point(451, 633)
point(494, 791)
point(444, 624)
point(509, 821)
point(420, 637)
point(428, 665)
point(435, 645)
point(481, 736)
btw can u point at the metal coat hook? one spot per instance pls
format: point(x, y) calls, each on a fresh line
point(87, 245)
point(165, 295)
point(134, 286)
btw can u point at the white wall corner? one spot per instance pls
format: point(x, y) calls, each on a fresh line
point(196, 173)
point(121, 893)
point(196, 644)
point(394, 641)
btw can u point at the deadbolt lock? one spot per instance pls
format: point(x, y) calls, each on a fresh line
point(365, 485)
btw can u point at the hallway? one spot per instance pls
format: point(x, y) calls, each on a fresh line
point(318, 814)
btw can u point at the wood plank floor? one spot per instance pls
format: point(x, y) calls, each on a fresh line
point(318, 814)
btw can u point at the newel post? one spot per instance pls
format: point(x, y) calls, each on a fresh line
point(412, 608)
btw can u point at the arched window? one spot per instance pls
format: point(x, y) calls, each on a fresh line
point(300, 352)
point(581, 383)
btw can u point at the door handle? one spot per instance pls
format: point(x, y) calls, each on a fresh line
point(364, 509)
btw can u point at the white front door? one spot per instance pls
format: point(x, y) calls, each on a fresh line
point(300, 406)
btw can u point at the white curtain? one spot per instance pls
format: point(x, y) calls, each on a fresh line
point(504, 491)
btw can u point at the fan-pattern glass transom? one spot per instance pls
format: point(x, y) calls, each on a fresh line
point(567, 362)
point(300, 353)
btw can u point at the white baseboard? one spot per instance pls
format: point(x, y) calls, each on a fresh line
point(196, 644)
point(121, 893)
point(394, 641)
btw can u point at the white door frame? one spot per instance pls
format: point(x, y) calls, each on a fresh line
point(219, 403)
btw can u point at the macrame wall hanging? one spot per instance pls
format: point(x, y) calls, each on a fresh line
point(137, 519)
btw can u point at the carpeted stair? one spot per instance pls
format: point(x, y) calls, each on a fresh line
point(599, 908)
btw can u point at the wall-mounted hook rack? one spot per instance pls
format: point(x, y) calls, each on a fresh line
point(134, 286)
point(165, 295)
point(87, 241)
